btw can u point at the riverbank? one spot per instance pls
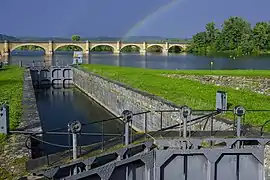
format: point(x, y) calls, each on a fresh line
point(230, 54)
point(11, 91)
point(18, 92)
point(176, 87)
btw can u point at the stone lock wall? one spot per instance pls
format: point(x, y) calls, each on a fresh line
point(117, 97)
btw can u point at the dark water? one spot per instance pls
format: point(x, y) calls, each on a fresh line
point(155, 61)
point(58, 107)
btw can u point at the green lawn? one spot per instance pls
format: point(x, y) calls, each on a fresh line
point(188, 92)
point(11, 89)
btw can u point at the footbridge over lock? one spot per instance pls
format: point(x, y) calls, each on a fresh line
point(87, 46)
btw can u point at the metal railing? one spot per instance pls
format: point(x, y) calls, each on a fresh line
point(181, 129)
point(127, 116)
point(129, 136)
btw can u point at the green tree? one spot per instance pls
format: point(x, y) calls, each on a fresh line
point(233, 32)
point(261, 35)
point(211, 34)
point(245, 46)
point(75, 38)
point(199, 43)
point(236, 36)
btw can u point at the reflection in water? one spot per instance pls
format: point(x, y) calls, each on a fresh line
point(151, 60)
point(58, 107)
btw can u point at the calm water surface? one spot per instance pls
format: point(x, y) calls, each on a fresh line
point(154, 61)
point(58, 107)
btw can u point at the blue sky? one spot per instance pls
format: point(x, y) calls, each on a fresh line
point(89, 18)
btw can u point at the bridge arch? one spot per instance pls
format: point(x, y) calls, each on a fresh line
point(135, 47)
point(28, 44)
point(175, 48)
point(155, 48)
point(112, 48)
point(69, 44)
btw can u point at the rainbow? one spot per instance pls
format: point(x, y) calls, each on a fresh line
point(150, 16)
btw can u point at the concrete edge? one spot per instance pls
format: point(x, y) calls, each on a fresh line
point(30, 120)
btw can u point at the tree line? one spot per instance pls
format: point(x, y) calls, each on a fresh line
point(235, 36)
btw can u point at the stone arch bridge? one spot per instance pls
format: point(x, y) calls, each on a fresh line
point(51, 46)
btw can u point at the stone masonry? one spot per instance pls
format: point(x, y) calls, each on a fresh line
point(117, 97)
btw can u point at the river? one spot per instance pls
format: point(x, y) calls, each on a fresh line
point(151, 60)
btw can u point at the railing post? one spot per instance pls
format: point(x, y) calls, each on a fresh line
point(127, 115)
point(145, 125)
point(180, 123)
point(74, 146)
point(186, 112)
point(211, 125)
point(74, 127)
point(239, 111)
point(161, 120)
point(102, 134)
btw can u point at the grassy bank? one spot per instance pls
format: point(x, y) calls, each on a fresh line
point(189, 92)
point(11, 89)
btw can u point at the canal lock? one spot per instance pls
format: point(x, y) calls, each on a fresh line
point(59, 102)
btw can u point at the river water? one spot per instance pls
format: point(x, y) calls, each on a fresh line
point(151, 60)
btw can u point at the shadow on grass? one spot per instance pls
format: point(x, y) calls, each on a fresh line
point(3, 69)
point(9, 82)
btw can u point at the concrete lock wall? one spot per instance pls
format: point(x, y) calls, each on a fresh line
point(117, 97)
point(30, 120)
